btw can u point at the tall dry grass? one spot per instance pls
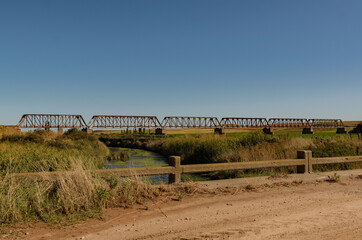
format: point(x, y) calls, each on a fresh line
point(255, 146)
point(64, 187)
point(70, 192)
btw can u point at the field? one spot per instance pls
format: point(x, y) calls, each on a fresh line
point(233, 132)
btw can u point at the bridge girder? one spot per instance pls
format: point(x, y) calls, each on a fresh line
point(326, 123)
point(111, 121)
point(288, 123)
point(51, 121)
point(190, 122)
point(236, 122)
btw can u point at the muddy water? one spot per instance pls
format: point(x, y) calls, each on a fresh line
point(140, 158)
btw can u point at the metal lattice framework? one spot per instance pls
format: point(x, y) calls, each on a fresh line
point(190, 122)
point(108, 121)
point(233, 122)
point(326, 123)
point(288, 123)
point(152, 122)
point(51, 121)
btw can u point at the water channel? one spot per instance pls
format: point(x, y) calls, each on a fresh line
point(143, 158)
point(140, 158)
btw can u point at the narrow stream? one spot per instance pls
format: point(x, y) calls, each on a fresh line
point(140, 158)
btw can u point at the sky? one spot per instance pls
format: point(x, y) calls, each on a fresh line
point(280, 58)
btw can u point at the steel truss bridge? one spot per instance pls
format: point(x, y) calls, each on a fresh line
point(190, 122)
point(171, 122)
point(51, 121)
point(326, 123)
point(231, 122)
point(104, 121)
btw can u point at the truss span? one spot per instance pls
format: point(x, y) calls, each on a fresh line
point(51, 121)
point(233, 122)
point(288, 123)
point(326, 123)
point(190, 122)
point(108, 121)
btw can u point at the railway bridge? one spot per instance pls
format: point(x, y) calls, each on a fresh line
point(141, 123)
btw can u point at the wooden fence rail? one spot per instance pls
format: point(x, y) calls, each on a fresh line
point(304, 164)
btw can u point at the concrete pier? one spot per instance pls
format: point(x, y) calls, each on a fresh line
point(87, 130)
point(341, 130)
point(220, 131)
point(268, 131)
point(160, 131)
point(308, 131)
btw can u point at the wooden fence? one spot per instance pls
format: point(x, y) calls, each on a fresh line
point(304, 164)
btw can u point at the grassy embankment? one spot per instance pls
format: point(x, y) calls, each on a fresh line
point(66, 195)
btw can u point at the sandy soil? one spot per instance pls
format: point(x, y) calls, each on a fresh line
point(313, 210)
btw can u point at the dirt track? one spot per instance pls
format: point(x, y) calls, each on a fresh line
point(306, 211)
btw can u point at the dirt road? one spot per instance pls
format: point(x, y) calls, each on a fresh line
point(306, 211)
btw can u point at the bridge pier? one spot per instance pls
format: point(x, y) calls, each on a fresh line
point(160, 131)
point(220, 131)
point(87, 130)
point(341, 130)
point(268, 131)
point(308, 131)
point(60, 131)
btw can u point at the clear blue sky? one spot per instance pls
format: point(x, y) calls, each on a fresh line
point(181, 57)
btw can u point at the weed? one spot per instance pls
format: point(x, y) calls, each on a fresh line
point(179, 196)
point(333, 178)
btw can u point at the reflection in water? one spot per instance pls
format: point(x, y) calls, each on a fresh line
point(140, 158)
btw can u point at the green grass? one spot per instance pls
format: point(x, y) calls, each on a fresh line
point(44, 151)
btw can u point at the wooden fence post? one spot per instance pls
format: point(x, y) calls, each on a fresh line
point(175, 161)
point(307, 156)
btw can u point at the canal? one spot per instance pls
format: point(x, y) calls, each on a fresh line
point(143, 158)
point(140, 158)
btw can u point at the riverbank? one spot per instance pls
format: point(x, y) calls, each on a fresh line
point(254, 146)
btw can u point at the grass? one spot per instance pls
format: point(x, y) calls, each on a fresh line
point(248, 146)
point(45, 151)
point(121, 155)
point(334, 178)
point(65, 196)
